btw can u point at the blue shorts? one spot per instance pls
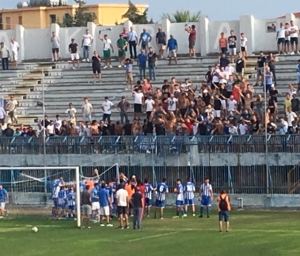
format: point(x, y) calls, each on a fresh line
point(55, 202)
point(280, 41)
point(71, 207)
point(160, 204)
point(224, 215)
point(62, 206)
point(205, 201)
point(179, 203)
point(189, 201)
point(148, 202)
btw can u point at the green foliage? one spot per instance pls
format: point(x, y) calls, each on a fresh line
point(81, 17)
point(134, 16)
point(182, 16)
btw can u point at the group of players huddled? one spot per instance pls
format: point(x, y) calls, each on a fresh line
point(63, 196)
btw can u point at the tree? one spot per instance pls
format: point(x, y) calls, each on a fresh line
point(81, 17)
point(182, 16)
point(135, 16)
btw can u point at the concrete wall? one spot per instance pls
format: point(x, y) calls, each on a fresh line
point(215, 159)
point(260, 201)
point(37, 41)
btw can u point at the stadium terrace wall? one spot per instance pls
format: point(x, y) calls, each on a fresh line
point(261, 35)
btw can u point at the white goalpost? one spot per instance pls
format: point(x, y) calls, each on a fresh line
point(31, 187)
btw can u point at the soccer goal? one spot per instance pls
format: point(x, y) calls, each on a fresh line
point(31, 189)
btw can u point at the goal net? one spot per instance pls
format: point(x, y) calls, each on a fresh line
point(35, 189)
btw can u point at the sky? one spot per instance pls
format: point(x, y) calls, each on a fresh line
point(260, 9)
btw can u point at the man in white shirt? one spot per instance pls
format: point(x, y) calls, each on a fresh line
point(149, 103)
point(138, 102)
point(107, 50)
point(243, 128)
point(133, 41)
point(2, 116)
point(11, 107)
point(232, 129)
point(4, 54)
point(57, 125)
point(283, 127)
point(243, 44)
point(215, 75)
point(87, 42)
point(287, 38)
point(87, 110)
point(231, 102)
point(14, 47)
point(281, 38)
point(71, 111)
point(107, 106)
point(172, 103)
point(50, 130)
point(122, 205)
point(291, 116)
point(294, 33)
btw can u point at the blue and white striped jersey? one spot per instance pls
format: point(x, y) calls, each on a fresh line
point(94, 195)
point(206, 189)
point(55, 188)
point(180, 192)
point(162, 189)
point(62, 196)
point(71, 199)
point(189, 190)
point(148, 190)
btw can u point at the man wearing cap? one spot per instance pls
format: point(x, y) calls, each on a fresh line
point(123, 107)
point(161, 41)
point(4, 54)
point(73, 48)
point(121, 44)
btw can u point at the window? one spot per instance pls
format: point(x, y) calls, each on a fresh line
point(20, 20)
point(68, 16)
point(1, 22)
point(52, 18)
point(8, 25)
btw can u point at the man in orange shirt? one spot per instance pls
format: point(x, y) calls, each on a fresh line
point(223, 207)
point(130, 190)
point(223, 43)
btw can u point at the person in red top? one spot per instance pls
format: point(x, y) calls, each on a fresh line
point(192, 39)
point(223, 44)
point(236, 92)
point(142, 187)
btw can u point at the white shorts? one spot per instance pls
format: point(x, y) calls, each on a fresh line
point(223, 102)
point(217, 113)
point(95, 206)
point(232, 51)
point(74, 56)
point(2, 206)
point(104, 211)
point(172, 54)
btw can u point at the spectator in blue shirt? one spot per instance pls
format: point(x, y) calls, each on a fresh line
point(142, 59)
point(145, 38)
point(173, 48)
point(269, 79)
point(224, 60)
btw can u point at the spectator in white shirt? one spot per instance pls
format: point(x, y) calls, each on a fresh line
point(133, 41)
point(87, 110)
point(283, 127)
point(243, 44)
point(231, 102)
point(149, 103)
point(71, 111)
point(2, 115)
point(50, 130)
point(294, 33)
point(232, 129)
point(243, 127)
point(14, 46)
point(172, 103)
point(4, 54)
point(138, 102)
point(107, 106)
point(291, 116)
point(87, 42)
point(281, 38)
point(57, 125)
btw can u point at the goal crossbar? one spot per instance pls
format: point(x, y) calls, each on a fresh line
point(76, 168)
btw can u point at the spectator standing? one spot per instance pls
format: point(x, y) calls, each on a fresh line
point(192, 39)
point(291, 117)
point(86, 203)
point(271, 60)
point(50, 130)
point(287, 38)
point(223, 43)
point(129, 76)
point(133, 41)
point(161, 42)
point(145, 38)
point(232, 45)
point(261, 61)
point(142, 60)
point(96, 66)
point(240, 64)
point(4, 55)
point(86, 43)
point(138, 205)
point(108, 49)
point(8, 132)
point(122, 205)
point(107, 106)
point(149, 103)
point(152, 59)
point(294, 33)
point(87, 110)
point(122, 46)
point(124, 34)
point(223, 209)
point(269, 79)
point(14, 47)
point(73, 49)
point(11, 107)
point(72, 113)
point(298, 74)
point(223, 60)
point(280, 37)
point(138, 102)
point(123, 106)
point(243, 43)
point(173, 48)
point(55, 46)
point(295, 103)
point(2, 115)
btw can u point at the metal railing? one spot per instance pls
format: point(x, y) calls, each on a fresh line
point(159, 145)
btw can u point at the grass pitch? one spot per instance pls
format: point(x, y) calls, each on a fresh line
point(253, 233)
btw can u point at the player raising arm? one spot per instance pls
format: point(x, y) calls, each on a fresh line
point(205, 197)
